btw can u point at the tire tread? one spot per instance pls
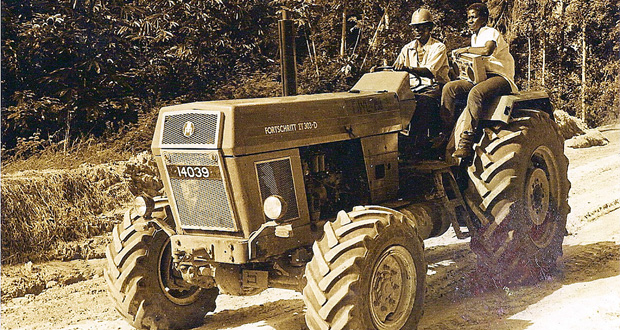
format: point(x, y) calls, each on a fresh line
point(497, 176)
point(333, 274)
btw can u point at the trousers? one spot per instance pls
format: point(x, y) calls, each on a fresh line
point(477, 97)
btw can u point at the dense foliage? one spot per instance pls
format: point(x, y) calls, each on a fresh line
point(74, 68)
point(557, 32)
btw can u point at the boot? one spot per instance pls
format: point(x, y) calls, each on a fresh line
point(466, 145)
point(440, 141)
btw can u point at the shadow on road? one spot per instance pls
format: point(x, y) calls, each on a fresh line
point(282, 315)
point(453, 301)
point(453, 298)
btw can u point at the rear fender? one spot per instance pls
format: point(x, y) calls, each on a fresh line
point(502, 107)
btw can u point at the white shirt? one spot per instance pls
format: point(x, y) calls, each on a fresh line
point(434, 58)
point(500, 62)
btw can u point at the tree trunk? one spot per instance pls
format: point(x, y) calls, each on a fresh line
point(312, 56)
point(312, 51)
point(529, 61)
point(545, 35)
point(584, 52)
point(544, 54)
point(343, 35)
point(373, 40)
point(562, 52)
point(67, 131)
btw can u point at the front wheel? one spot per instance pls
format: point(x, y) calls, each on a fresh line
point(143, 284)
point(519, 191)
point(367, 272)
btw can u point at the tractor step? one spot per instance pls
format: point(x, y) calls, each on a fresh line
point(452, 198)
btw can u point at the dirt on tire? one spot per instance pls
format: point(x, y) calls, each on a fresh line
point(519, 191)
point(361, 256)
point(141, 284)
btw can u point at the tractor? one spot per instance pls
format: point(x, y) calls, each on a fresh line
point(332, 195)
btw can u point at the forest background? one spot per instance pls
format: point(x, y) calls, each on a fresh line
point(99, 70)
point(83, 80)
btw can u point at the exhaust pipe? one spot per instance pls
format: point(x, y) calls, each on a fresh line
point(288, 61)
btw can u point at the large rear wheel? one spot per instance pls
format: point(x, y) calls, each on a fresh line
point(367, 272)
point(519, 191)
point(143, 284)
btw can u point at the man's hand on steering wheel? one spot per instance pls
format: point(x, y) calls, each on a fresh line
point(412, 72)
point(417, 78)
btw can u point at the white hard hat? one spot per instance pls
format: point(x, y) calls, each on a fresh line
point(421, 16)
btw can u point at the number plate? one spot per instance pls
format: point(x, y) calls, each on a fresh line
point(194, 172)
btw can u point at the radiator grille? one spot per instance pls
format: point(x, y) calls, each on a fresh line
point(276, 178)
point(204, 159)
point(205, 128)
point(202, 204)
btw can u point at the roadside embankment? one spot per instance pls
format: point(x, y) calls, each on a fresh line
point(46, 213)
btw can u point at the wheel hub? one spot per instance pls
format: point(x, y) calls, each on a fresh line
point(389, 278)
point(171, 283)
point(393, 287)
point(538, 195)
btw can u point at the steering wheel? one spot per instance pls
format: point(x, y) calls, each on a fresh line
point(416, 77)
point(384, 68)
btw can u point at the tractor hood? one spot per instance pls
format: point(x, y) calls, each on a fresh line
point(248, 126)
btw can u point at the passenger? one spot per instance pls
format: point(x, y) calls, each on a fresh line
point(499, 67)
point(426, 57)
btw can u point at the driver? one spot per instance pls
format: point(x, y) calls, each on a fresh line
point(426, 57)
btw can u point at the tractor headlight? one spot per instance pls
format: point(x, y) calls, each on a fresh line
point(144, 206)
point(274, 207)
